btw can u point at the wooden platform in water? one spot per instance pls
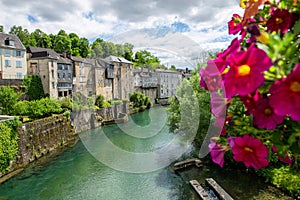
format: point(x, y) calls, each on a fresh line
point(186, 163)
point(200, 190)
point(214, 190)
point(217, 189)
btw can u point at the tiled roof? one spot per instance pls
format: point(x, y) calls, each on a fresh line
point(17, 43)
point(48, 52)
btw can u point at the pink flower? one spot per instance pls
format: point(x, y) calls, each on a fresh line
point(250, 101)
point(286, 159)
point(245, 73)
point(285, 95)
point(249, 150)
point(280, 20)
point(235, 25)
point(217, 152)
point(218, 108)
point(264, 116)
point(210, 77)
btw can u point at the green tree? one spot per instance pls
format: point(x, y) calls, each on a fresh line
point(146, 59)
point(24, 35)
point(173, 67)
point(84, 49)
point(8, 99)
point(1, 29)
point(33, 87)
point(62, 42)
point(42, 39)
point(189, 111)
point(96, 49)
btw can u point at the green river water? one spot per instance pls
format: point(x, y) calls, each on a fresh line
point(77, 174)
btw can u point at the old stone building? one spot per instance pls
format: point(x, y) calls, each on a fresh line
point(168, 81)
point(122, 81)
point(145, 81)
point(42, 62)
point(13, 63)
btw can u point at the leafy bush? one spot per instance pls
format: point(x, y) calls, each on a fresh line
point(39, 108)
point(33, 87)
point(140, 100)
point(8, 142)
point(8, 99)
point(100, 99)
point(66, 103)
point(283, 177)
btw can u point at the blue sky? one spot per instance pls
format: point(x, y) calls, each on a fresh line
point(204, 22)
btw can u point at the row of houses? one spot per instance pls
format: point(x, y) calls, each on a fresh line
point(63, 75)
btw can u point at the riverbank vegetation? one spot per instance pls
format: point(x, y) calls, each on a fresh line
point(8, 142)
point(139, 101)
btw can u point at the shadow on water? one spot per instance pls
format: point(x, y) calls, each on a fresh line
point(239, 183)
point(141, 119)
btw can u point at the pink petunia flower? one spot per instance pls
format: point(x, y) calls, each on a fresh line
point(250, 101)
point(235, 25)
point(245, 73)
point(210, 76)
point(280, 20)
point(286, 159)
point(217, 152)
point(218, 108)
point(249, 150)
point(285, 95)
point(264, 116)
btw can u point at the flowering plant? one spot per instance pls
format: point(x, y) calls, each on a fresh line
point(255, 86)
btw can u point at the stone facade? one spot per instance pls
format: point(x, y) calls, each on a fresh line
point(122, 81)
point(168, 81)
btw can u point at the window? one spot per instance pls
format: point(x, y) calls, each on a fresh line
point(18, 53)
point(53, 85)
point(7, 63)
point(18, 63)
point(64, 75)
point(7, 52)
point(0, 51)
point(52, 73)
point(69, 76)
point(19, 75)
point(58, 75)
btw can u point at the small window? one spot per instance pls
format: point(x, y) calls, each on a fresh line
point(52, 73)
point(53, 85)
point(64, 75)
point(18, 63)
point(7, 52)
point(19, 75)
point(7, 63)
point(18, 53)
point(69, 76)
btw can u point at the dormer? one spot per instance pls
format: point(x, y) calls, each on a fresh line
point(9, 42)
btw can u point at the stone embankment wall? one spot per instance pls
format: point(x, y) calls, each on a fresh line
point(40, 137)
point(84, 120)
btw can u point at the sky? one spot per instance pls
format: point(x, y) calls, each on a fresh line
point(173, 30)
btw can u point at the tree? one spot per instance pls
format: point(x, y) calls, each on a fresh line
point(33, 87)
point(62, 43)
point(84, 49)
point(8, 99)
point(42, 39)
point(25, 37)
point(1, 29)
point(173, 67)
point(146, 59)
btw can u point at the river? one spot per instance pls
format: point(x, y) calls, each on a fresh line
point(78, 174)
